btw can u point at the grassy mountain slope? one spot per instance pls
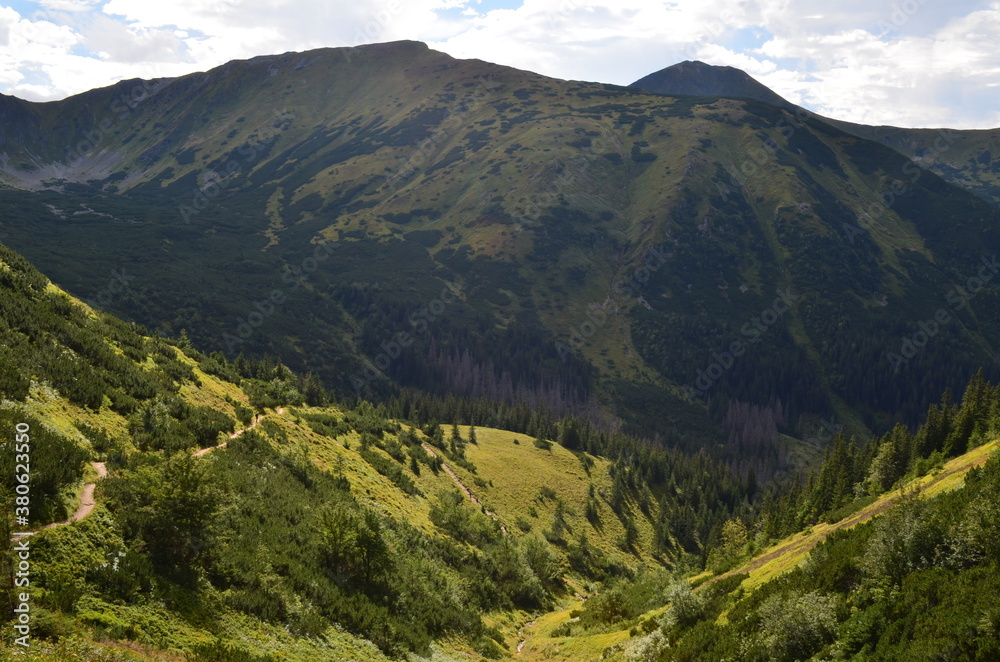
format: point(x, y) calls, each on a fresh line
point(323, 532)
point(207, 556)
point(964, 158)
point(595, 249)
point(903, 578)
point(790, 552)
point(54, 346)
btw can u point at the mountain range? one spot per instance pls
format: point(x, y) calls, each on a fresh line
point(390, 218)
point(374, 354)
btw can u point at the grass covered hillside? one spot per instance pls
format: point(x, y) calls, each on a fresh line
point(243, 517)
point(389, 218)
point(900, 566)
point(965, 158)
point(240, 515)
point(439, 361)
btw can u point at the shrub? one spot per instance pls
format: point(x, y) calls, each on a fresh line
point(686, 606)
point(796, 625)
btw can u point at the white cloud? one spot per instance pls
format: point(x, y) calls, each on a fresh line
point(127, 44)
point(894, 78)
point(68, 5)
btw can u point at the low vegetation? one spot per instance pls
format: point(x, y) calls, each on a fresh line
point(373, 532)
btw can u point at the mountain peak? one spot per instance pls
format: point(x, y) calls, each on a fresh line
point(695, 78)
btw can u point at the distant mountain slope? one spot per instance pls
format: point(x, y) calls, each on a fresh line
point(967, 158)
point(390, 217)
point(694, 78)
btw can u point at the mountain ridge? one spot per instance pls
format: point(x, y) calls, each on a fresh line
point(964, 158)
point(551, 265)
point(540, 200)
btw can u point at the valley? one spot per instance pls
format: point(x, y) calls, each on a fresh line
point(377, 354)
point(323, 229)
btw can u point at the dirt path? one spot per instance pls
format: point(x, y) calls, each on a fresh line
point(87, 502)
point(468, 493)
point(806, 543)
point(86, 506)
point(86, 497)
point(256, 422)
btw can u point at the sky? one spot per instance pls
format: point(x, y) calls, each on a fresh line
point(913, 63)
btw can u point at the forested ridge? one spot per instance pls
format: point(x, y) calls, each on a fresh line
point(171, 525)
point(185, 553)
